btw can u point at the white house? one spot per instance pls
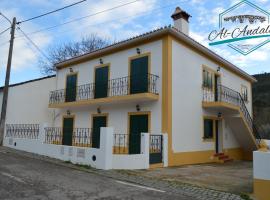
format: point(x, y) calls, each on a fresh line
point(195, 105)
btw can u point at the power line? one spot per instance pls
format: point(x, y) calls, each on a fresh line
point(5, 30)
point(51, 12)
point(6, 18)
point(80, 18)
point(31, 41)
point(118, 19)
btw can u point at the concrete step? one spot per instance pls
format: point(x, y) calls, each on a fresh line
point(223, 157)
point(218, 154)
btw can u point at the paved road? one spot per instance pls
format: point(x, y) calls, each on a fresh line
point(27, 178)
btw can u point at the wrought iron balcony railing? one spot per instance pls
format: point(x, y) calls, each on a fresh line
point(25, 131)
point(81, 136)
point(115, 87)
point(227, 95)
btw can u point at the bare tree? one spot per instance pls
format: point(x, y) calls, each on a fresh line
point(66, 51)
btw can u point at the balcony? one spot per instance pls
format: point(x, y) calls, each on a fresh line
point(125, 89)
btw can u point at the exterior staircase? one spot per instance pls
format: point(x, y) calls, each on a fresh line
point(243, 119)
point(248, 132)
point(222, 158)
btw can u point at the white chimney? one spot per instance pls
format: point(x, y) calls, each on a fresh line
point(180, 18)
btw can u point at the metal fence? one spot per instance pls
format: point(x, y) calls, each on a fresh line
point(80, 136)
point(155, 144)
point(53, 135)
point(116, 87)
point(27, 131)
point(120, 143)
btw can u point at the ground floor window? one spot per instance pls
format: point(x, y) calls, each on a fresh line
point(208, 132)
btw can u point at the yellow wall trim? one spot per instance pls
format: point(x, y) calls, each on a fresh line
point(167, 93)
point(261, 189)
point(199, 157)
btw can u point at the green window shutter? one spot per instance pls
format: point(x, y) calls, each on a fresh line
point(208, 128)
point(139, 75)
point(71, 88)
point(101, 82)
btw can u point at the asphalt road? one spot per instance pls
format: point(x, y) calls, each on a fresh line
point(27, 178)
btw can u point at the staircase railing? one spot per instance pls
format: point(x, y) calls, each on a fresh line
point(225, 94)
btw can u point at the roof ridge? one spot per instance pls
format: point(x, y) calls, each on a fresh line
point(29, 81)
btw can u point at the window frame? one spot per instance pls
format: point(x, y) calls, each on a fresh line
point(244, 92)
point(207, 72)
point(212, 139)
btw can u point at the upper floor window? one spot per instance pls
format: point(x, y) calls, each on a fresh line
point(208, 79)
point(244, 92)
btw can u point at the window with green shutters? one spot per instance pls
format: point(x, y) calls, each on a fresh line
point(139, 75)
point(208, 79)
point(71, 87)
point(208, 129)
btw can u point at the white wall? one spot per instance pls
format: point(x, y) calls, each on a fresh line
point(118, 112)
point(104, 157)
point(187, 109)
point(261, 165)
point(28, 103)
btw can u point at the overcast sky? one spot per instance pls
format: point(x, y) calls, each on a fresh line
point(118, 24)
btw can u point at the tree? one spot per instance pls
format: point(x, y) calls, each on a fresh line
point(69, 50)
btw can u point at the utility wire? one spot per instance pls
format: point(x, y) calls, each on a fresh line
point(5, 31)
point(31, 41)
point(118, 19)
point(5, 18)
point(87, 16)
point(51, 12)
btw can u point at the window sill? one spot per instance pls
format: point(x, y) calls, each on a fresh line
point(208, 139)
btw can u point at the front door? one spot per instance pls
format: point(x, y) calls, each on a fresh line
point(101, 82)
point(139, 75)
point(137, 124)
point(98, 122)
point(67, 131)
point(218, 135)
point(71, 87)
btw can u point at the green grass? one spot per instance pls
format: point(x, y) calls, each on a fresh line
point(84, 166)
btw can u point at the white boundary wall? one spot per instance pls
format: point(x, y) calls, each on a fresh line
point(261, 174)
point(136, 161)
point(102, 158)
point(261, 165)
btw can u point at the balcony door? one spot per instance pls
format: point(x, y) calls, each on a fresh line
point(139, 75)
point(101, 81)
point(68, 125)
point(138, 123)
point(71, 87)
point(97, 123)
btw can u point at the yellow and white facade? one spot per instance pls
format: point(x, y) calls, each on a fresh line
point(193, 88)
